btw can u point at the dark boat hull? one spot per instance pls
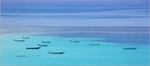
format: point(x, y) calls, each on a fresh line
point(19, 40)
point(46, 41)
point(33, 47)
point(129, 48)
point(93, 44)
point(26, 37)
point(56, 52)
point(42, 44)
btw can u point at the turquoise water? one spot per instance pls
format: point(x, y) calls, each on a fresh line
point(109, 53)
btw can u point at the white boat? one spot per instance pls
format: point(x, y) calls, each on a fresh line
point(46, 41)
point(35, 47)
point(94, 44)
point(42, 44)
point(56, 52)
point(19, 40)
point(74, 41)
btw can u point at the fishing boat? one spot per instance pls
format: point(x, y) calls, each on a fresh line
point(19, 40)
point(25, 37)
point(42, 44)
point(36, 47)
point(94, 44)
point(74, 41)
point(134, 48)
point(56, 52)
point(46, 41)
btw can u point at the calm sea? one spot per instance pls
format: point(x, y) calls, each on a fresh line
point(110, 52)
point(123, 35)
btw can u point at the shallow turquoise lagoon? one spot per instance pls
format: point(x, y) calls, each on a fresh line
point(77, 54)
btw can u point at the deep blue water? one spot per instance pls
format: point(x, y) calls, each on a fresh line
point(123, 35)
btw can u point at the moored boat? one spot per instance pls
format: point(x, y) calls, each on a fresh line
point(56, 52)
point(134, 48)
point(74, 41)
point(94, 44)
point(19, 40)
point(42, 44)
point(46, 41)
point(25, 37)
point(35, 47)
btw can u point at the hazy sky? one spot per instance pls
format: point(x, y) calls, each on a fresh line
point(75, 12)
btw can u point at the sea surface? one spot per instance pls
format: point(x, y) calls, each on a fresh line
point(109, 52)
